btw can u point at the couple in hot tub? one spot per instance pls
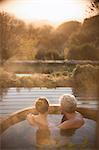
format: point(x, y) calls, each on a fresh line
point(71, 120)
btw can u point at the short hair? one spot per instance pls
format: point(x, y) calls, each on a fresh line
point(42, 105)
point(68, 103)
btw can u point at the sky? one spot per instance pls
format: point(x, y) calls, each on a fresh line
point(55, 11)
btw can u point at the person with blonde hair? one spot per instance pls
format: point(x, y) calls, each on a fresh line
point(71, 118)
point(43, 135)
point(40, 120)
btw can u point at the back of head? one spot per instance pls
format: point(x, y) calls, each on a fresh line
point(68, 103)
point(42, 105)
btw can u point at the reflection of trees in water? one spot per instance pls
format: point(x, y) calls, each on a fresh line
point(3, 92)
point(29, 89)
point(18, 89)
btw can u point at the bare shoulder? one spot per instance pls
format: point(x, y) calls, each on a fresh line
point(79, 115)
point(79, 118)
point(31, 118)
point(30, 115)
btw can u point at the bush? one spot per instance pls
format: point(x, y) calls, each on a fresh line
point(5, 78)
point(48, 55)
point(85, 80)
point(83, 52)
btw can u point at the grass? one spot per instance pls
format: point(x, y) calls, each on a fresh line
point(57, 79)
point(84, 80)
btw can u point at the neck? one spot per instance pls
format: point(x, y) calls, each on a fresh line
point(43, 115)
point(70, 115)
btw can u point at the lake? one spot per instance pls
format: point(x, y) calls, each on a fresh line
point(14, 99)
point(18, 98)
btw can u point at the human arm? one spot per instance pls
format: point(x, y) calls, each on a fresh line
point(71, 123)
point(31, 119)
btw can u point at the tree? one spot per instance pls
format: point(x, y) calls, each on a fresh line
point(94, 7)
point(83, 52)
point(64, 31)
point(1, 1)
point(7, 36)
point(48, 55)
point(12, 31)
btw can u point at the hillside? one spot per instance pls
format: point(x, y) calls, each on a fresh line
point(70, 40)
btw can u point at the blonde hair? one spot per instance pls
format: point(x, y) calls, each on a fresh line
point(68, 103)
point(42, 104)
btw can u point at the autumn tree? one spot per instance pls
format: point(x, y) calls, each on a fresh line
point(83, 52)
point(7, 36)
point(94, 7)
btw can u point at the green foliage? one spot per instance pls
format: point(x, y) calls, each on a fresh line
point(12, 30)
point(48, 55)
point(35, 80)
point(85, 80)
point(6, 78)
point(70, 40)
point(88, 34)
point(6, 29)
point(83, 52)
point(84, 44)
point(68, 28)
point(94, 7)
point(61, 73)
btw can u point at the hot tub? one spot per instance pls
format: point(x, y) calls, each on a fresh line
point(23, 136)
